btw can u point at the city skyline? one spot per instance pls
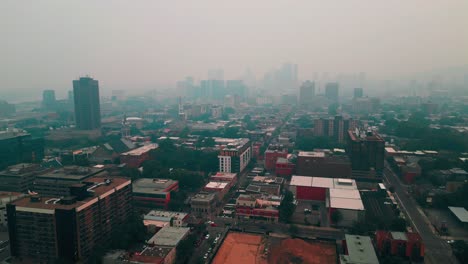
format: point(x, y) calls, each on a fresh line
point(153, 45)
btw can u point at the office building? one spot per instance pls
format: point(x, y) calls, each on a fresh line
point(234, 154)
point(48, 99)
point(358, 93)
point(332, 91)
point(19, 177)
point(17, 146)
point(154, 193)
point(51, 229)
point(87, 105)
point(321, 164)
point(57, 182)
point(307, 93)
point(212, 90)
point(366, 150)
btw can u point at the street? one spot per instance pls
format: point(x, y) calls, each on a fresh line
point(437, 249)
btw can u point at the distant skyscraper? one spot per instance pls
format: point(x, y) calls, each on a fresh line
point(331, 91)
point(358, 93)
point(48, 99)
point(212, 89)
point(307, 93)
point(87, 106)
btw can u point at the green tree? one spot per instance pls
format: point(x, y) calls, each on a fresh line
point(336, 217)
point(398, 224)
point(287, 206)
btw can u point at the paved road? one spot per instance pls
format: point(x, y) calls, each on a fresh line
point(437, 250)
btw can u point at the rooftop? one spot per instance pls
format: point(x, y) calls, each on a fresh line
point(360, 250)
point(203, 197)
point(311, 154)
point(330, 183)
point(460, 213)
point(169, 236)
point(160, 215)
point(98, 186)
point(231, 143)
point(399, 236)
point(148, 185)
point(216, 185)
point(224, 175)
point(71, 173)
point(141, 150)
point(21, 169)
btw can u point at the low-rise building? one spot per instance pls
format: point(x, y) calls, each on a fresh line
point(258, 207)
point(154, 193)
point(135, 158)
point(204, 204)
point(272, 154)
point(408, 245)
point(358, 250)
point(284, 167)
point(338, 194)
point(157, 219)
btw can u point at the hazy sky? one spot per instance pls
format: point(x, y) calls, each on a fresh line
point(139, 44)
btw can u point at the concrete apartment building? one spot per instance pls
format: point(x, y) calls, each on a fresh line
point(234, 154)
point(366, 150)
point(68, 228)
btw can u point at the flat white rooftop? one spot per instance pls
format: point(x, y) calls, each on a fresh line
point(311, 154)
point(346, 203)
point(330, 183)
point(216, 185)
point(141, 150)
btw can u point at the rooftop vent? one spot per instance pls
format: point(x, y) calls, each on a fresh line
point(35, 198)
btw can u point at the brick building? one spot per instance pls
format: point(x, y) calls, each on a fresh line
point(366, 149)
point(272, 154)
point(409, 245)
point(135, 158)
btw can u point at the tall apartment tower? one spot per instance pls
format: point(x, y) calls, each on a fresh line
point(306, 93)
point(331, 91)
point(358, 93)
point(68, 229)
point(48, 99)
point(366, 149)
point(87, 106)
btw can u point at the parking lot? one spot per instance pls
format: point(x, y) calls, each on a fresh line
point(310, 212)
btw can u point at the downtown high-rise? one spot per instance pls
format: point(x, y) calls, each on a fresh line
point(87, 106)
